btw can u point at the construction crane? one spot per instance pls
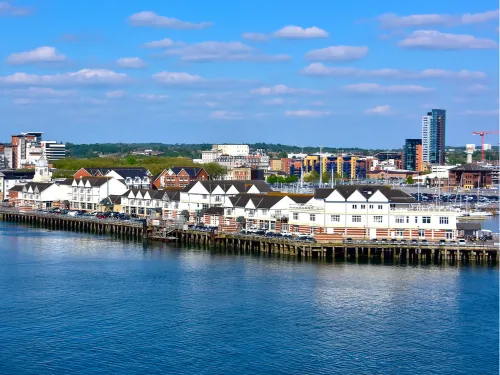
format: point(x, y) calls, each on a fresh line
point(482, 133)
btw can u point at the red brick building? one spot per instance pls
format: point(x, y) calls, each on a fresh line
point(470, 176)
point(179, 177)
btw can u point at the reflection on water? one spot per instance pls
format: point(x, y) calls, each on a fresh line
point(76, 303)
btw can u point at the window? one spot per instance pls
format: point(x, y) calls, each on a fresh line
point(399, 233)
point(312, 217)
point(273, 225)
point(443, 220)
point(377, 219)
point(363, 206)
point(229, 211)
point(296, 228)
point(356, 219)
point(407, 220)
point(400, 219)
point(449, 234)
point(426, 219)
point(75, 190)
point(295, 216)
point(335, 218)
point(370, 206)
point(380, 207)
point(416, 219)
point(204, 206)
point(205, 196)
point(264, 212)
point(421, 233)
point(354, 206)
point(277, 213)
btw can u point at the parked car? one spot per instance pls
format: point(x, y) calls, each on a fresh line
point(442, 242)
point(424, 242)
point(462, 242)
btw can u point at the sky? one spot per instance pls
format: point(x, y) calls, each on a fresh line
point(319, 73)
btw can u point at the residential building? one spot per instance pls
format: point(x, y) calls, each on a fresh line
point(285, 165)
point(349, 166)
point(15, 194)
point(10, 178)
point(240, 173)
point(134, 178)
point(469, 176)
point(433, 136)
point(111, 203)
point(275, 164)
point(411, 154)
point(232, 150)
point(86, 193)
point(210, 156)
point(39, 195)
point(179, 177)
point(7, 156)
point(370, 211)
point(29, 146)
point(144, 202)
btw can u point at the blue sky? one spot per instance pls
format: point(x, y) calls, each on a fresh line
point(328, 73)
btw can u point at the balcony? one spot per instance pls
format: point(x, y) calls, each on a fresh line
point(306, 208)
point(250, 214)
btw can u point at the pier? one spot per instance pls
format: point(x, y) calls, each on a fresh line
point(352, 251)
point(431, 252)
point(127, 229)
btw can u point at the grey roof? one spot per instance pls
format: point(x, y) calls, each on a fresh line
point(93, 181)
point(469, 167)
point(66, 181)
point(468, 226)
point(394, 195)
point(241, 185)
point(16, 188)
point(122, 171)
point(191, 171)
point(259, 200)
point(9, 174)
point(40, 185)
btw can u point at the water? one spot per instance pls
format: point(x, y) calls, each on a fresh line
point(77, 304)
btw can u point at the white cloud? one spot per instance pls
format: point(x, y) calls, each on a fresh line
point(151, 19)
point(131, 62)
point(221, 51)
point(255, 37)
point(282, 89)
point(492, 112)
point(7, 9)
point(297, 32)
point(273, 101)
point(419, 20)
point(431, 39)
point(393, 89)
point(115, 94)
point(225, 115)
point(164, 43)
point(476, 89)
point(337, 53)
point(307, 113)
point(379, 110)
point(178, 78)
point(318, 103)
point(319, 69)
point(153, 97)
point(81, 77)
point(38, 55)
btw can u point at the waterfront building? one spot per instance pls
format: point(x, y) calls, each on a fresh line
point(370, 211)
point(470, 176)
point(412, 155)
point(86, 193)
point(133, 177)
point(433, 136)
point(39, 195)
point(10, 178)
point(145, 202)
point(179, 177)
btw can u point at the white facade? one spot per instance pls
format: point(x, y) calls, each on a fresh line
point(232, 150)
point(426, 127)
point(40, 195)
point(135, 182)
point(142, 202)
point(441, 171)
point(42, 171)
point(87, 192)
point(210, 156)
point(10, 179)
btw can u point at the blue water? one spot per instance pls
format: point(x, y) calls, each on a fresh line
point(76, 304)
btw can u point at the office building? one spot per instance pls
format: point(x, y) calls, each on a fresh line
point(28, 147)
point(412, 154)
point(433, 136)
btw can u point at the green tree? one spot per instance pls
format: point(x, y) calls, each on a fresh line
point(272, 179)
point(185, 213)
point(409, 180)
point(312, 176)
point(241, 220)
point(215, 170)
point(131, 160)
point(326, 177)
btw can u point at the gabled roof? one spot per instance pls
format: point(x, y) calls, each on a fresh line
point(66, 181)
point(258, 200)
point(124, 172)
point(393, 195)
point(93, 181)
point(191, 171)
point(41, 186)
point(153, 193)
point(214, 211)
point(469, 226)
point(241, 186)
